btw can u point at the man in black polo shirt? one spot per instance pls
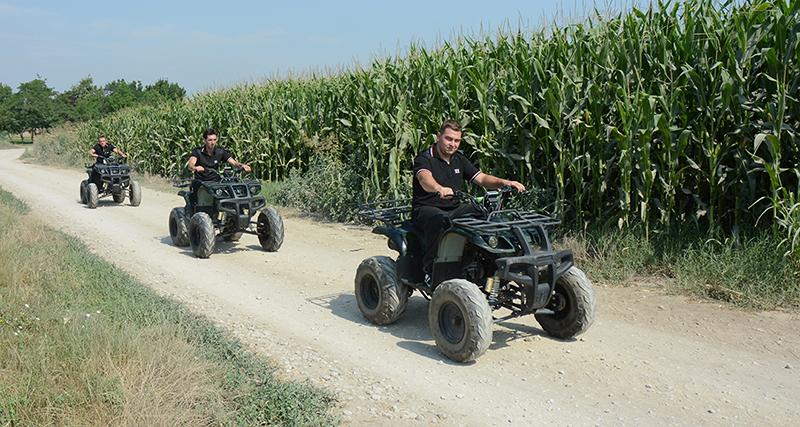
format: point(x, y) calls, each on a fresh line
point(101, 151)
point(209, 156)
point(439, 171)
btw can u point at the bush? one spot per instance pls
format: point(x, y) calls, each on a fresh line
point(58, 148)
point(330, 187)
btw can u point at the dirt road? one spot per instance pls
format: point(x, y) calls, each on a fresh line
point(649, 359)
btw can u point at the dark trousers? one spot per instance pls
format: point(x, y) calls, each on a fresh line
point(433, 222)
point(195, 188)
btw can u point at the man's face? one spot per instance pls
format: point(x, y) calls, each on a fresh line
point(448, 142)
point(102, 142)
point(211, 142)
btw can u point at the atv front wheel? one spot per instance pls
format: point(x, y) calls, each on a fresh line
point(381, 297)
point(461, 320)
point(178, 227)
point(83, 191)
point(201, 235)
point(92, 195)
point(270, 229)
point(573, 306)
point(135, 193)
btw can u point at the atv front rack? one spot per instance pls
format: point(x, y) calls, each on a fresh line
point(505, 220)
point(390, 212)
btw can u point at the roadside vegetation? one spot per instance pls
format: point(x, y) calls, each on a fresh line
point(83, 343)
point(35, 108)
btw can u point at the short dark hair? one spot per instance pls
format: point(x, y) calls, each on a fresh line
point(101, 136)
point(209, 131)
point(450, 124)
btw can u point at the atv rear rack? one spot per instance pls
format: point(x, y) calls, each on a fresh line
point(390, 212)
point(182, 183)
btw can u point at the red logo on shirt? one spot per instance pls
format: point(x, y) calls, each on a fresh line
point(457, 170)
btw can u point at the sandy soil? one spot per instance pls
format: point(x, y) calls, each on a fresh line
point(649, 359)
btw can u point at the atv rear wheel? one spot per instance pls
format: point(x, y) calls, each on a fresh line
point(178, 227)
point(83, 191)
point(201, 235)
point(461, 320)
point(92, 195)
point(270, 229)
point(573, 306)
point(135, 193)
point(381, 297)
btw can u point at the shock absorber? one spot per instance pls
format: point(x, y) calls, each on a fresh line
point(491, 288)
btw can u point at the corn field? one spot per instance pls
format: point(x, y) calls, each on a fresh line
point(681, 113)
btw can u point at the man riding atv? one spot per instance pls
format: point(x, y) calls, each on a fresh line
point(221, 204)
point(102, 151)
point(108, 176)
point(439, 172)
point(209, 156)
point(476, 263)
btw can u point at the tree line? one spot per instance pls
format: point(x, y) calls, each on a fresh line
point(35, 107)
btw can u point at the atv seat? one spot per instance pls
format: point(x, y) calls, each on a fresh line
point(409, 227)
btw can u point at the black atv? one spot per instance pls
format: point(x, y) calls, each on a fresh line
point(497, 260)
point(224, 208)
point(112, 178)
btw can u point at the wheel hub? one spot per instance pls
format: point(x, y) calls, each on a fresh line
point(451, 321)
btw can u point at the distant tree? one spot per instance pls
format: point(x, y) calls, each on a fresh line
point(163, 91)
point(120, 94)
point(35, 108)
point(8, 116)
point(83, 101)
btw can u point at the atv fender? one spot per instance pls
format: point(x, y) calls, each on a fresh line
point(397, 238)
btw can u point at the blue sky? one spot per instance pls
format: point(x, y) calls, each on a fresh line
point(202, 45)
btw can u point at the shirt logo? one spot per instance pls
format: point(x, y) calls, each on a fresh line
point(457, 170)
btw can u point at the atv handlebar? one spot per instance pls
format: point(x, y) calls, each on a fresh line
point(110, 161)
point(491, 202)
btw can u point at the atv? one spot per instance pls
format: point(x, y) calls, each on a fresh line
point(496, 260)
point(223, 208)
point(114, 180)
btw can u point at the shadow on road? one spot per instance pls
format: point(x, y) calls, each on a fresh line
point(413, 329)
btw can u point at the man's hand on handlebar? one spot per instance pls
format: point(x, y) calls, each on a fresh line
point(515, 185)
point(446, 193)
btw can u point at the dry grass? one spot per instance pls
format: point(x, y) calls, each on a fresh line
point(82, 343)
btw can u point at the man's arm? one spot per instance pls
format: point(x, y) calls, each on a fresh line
point(92, 153)
point(117, 150)
point(236, 164)
point(429, 184)
point(193, 166)
point(493, 183)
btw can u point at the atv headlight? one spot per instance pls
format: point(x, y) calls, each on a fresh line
point(219, 192)
point(255, 189)
point(492, 241)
